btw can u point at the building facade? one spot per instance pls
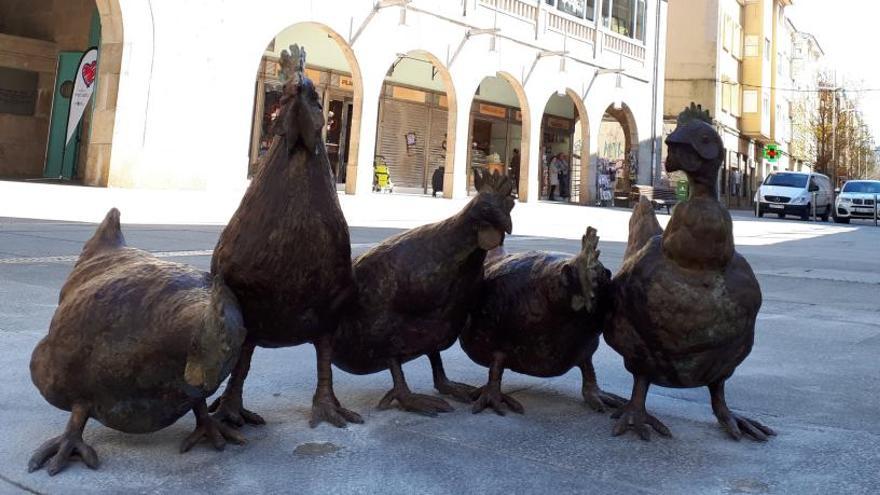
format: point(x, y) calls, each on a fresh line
point(741, 63)
point(422, 83)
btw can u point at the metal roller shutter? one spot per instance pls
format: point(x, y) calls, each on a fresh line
point(436, 138)
point(407, 167)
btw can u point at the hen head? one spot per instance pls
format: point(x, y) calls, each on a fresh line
point(694, 146)
point(490, 211)
point(302, 116)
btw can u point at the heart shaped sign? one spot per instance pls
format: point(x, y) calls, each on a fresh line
point(88, 73)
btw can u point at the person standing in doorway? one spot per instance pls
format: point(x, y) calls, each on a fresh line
point(564, 176)
point(514, 170)
point(555, 172)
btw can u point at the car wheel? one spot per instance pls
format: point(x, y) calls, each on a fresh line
point(780, 215)
point(805, 215)
point(841, 220)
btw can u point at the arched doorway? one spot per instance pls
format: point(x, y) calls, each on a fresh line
point(617, 163)
point(564, 156)
point(48, 40)
point(333, 68)
point(499, 130)
point(416, 131)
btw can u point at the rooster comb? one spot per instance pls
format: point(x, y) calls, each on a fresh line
point(492, 182)
point(694, 112)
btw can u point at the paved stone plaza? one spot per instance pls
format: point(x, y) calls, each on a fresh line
point(813, 376)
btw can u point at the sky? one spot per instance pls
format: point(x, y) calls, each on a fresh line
point(847, 30)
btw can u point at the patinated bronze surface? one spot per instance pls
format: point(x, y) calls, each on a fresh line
point(684, 303)
point(286, 253)
point(415, 291)
point(135, 343)
point(540, 314)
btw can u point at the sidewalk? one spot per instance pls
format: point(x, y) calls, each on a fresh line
point(542, 219)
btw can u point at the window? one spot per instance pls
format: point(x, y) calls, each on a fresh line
point(734, 99)
point(766, 49)
point(626, 17)
point(752, 46)
point(641, 14)
point(727, 33)
point(737, 41)
point(725, 95)
point(750, 101)
point(585, 9)
point(766, 105)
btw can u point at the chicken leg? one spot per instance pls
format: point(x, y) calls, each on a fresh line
point(595, 397)
point(490, 394)
point(458, 391)
point(211, 428)
point(325, 405)
point(65, 446)
point(734, 424)
point(633, 414)
point(417, 403)
point(228, 407)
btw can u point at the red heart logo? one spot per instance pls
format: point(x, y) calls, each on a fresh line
point(88, 73)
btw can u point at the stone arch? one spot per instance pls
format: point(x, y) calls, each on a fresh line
point(351, 162)
point(583, 152)
point(100, 143)
point(624, 116)
point(452, 112)
point(526, 126)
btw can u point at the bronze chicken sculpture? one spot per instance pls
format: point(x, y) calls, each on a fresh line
point(540, 314)
point(684, 303)
point(135, 343)
point(415, 292)
point(286, 253)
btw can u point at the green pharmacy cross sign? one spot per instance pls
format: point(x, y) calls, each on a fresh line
point(771, 152)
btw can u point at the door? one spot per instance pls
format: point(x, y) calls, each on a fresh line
point(345, 141)
point(61, 156)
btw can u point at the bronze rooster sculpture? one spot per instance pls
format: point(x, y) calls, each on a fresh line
point(684, 303)
point(286, 253)
point(135, 343)
point(415, 292)
point(540, 314)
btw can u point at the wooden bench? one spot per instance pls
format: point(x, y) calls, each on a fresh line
point(660, 197)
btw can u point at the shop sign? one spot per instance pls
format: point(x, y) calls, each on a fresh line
point(83, 87)
point(346, 83)
point(493, 111)
point(556, 123)
point(407, 94)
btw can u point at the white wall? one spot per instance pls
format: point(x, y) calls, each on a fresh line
point(190, 67)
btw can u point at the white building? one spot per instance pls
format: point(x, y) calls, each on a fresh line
point(182, 86)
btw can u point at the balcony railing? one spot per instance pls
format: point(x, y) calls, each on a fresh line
point(570, 27)
point(622, 45)
point(517, 8)
point(558, 22)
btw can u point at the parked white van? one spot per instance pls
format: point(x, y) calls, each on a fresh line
point(793, 193)
point(857, 199)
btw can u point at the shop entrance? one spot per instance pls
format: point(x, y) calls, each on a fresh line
point(495, 135)
point(331, 67)
point(39, 72)
point(562, 144)
point(618, 158)
point(412, 135)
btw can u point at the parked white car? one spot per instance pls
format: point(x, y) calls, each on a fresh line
point(857, 199)
point(794, 193)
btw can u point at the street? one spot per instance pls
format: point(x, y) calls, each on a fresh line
point(812, 376)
